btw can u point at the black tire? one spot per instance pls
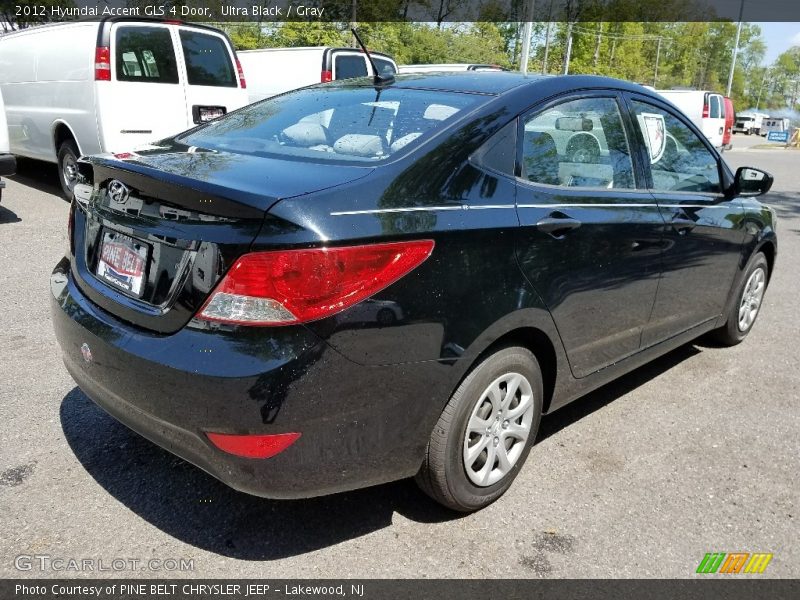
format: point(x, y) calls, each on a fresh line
point(443, 473)
point(731, 333)
point(67, 151)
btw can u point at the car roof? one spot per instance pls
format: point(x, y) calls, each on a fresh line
point(499, 82)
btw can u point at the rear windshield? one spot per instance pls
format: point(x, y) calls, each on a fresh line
point(325, 123)
point(208, 61)
point(145, 54)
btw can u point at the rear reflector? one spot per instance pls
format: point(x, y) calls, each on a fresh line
point(326, 77)
point(102, 64)
point(285, 287)
point(240, 71)
point(253, 446)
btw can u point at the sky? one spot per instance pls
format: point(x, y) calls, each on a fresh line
point(779, 37)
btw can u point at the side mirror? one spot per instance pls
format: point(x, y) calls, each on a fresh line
point(750, 181)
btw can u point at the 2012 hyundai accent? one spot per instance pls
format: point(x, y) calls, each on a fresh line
point(370, 280)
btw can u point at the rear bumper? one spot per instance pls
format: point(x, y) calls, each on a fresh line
point(359, 425)
point(8, 165)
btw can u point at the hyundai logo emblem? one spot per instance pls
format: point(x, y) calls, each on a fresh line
point(86, 352)
point(118, 191)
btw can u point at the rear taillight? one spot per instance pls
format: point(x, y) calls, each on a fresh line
point(706, 111)
point(102, 64)
point(326, 77)
point(285, 287)
point(253, 446)
point(240, 71)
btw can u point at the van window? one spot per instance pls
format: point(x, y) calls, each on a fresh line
point(347, 66)
point(345, 124)
point(715, 108)
point(145, 54)
point(207, 59)
point(385, 67)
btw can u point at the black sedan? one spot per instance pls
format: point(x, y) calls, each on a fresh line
point(369, 280)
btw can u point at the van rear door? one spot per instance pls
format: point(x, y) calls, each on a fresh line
point(214, 80)
point(714, 118)
point(144, 99)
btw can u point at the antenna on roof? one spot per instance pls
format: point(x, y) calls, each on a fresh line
point(377, 79)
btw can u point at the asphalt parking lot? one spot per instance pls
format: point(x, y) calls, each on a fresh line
point(697, 452)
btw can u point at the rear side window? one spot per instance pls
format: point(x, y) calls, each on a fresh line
point(334, 123)
point(207, 59)
point(347, 66)
point(145, 54)
point(579, 143)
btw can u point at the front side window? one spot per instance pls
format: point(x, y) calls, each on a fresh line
point(145, 54)
point(208, 61)
point(334, 123)
point(347, 66)
point(679, 160)
point(579, 143)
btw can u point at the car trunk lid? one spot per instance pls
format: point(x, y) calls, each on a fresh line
point(159, 228)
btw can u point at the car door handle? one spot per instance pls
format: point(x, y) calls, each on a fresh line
point(557, 226)
point(682, 226)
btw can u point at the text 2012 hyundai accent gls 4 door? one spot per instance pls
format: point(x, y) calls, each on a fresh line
point(360, 282)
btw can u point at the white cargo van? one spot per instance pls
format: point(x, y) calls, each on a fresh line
point(86, 87)
point(705, 108)
point(273, 71)
point(8, 164)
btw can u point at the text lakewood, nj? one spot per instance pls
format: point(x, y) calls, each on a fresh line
point(224, 10)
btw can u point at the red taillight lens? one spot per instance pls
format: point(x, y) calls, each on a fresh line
point(706, 111)
point(285, 287)
point(326, 77)
point(102, 64)
point(253, 446)
point(240, 71)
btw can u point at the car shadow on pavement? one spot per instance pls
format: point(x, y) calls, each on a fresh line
point(8, 216)
point(583, 407)
point(39, 175)
point(190, 505)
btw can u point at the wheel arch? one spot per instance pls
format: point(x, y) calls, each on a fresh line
point(61, 131)
point(538, 342)
point(767, 247)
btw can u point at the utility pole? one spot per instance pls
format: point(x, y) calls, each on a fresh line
point(658, 57)
point(735, 49)
point(526, 37)
point(547, 37)
point(568, 53)
point(353, 18)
